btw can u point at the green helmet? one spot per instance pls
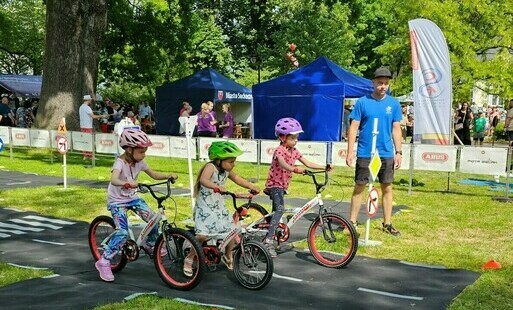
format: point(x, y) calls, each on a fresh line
point(223, 150)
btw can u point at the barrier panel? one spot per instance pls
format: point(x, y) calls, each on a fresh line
point(178, 147)
point(81, 141)
point(20, 136)
point(435, 157)
point(339, 154)
point(483, 160)
point(39, 138)
point(160, 146)
point(4, 135)
point(106, 143)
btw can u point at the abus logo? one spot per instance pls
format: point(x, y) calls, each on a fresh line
point(20, 136)
point(106, 142)
point(158, 145)
point(342, 153)
point(441, 157)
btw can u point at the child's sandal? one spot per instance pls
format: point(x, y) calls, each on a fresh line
point(187, 267)
point(227, 263)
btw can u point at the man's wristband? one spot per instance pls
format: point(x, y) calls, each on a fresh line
point(399, 152)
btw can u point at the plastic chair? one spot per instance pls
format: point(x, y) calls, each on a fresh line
point(237, 133)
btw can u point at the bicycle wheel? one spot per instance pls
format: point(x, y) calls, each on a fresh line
point(253, 265)
point(255, 212)
point(334, 242)
point(100, 231)
point(177, 244)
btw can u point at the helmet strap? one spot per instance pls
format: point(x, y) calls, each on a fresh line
point(129, 156)
point(219, 165)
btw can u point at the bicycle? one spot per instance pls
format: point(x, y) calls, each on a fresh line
point(252, 264)
point(332, 239)
point(168, 254)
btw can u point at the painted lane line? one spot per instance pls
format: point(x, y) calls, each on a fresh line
point(18, 221)
point(187, 301)
point(5, 225)
point(12, 231)
point(2, 235)
point(390, 294)
point(49, 242)
point(423, 265)
point(286, 278)
point(45, 219)
point(135, 295)
point(27, 267)
point(13, 209)
point(52, 276)
point(18, 183)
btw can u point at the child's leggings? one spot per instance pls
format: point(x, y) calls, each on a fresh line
point(119, 214)
point(276, 195)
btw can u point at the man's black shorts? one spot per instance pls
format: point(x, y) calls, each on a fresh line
point(385, 174)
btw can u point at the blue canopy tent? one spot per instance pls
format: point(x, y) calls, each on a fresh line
point(313, 94)
point(204, 85)
point(27, 86)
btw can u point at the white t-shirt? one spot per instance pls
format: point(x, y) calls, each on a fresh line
point(85, 111)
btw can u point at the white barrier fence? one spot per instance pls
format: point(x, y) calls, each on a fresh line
point(449, 158)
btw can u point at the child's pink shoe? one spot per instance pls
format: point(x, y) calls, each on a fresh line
point(103, 267)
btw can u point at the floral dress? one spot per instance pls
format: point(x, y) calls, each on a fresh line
point(211, 217)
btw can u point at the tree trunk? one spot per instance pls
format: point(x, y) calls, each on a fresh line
point(74, 31)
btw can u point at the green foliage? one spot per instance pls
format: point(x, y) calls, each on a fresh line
point(10, 274)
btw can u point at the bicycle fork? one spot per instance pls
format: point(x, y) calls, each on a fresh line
point(327, 232)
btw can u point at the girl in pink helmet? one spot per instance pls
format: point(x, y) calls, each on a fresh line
point(122, 196)
point(283, 164)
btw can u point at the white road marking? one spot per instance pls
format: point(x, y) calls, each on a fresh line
point(49, 242)
point(16, 232)
point(187, 301)
point(52, 276)
point(134, 295)
point(20, 227)
point(18, 183)
point(286, 278)
point(35, 224)
point(27, 267)
point(2, 235)
point(390, 294)
point(423, 265)
point(45, 219)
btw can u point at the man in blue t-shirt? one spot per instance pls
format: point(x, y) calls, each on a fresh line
point(384, 111)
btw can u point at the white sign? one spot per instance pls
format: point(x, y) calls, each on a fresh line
point(82, 141)
point(20, 136)
point(39, 138)
point(4, 134)
point(315, 152)
point(250, 149)
point(339, 154)
point(435, 157)
point(62, 145)
point(178, 147)
point(372, 202)
point(267, 148)
point(106, 143)
point(405, 162)
point(160, 146)
point(483, 160)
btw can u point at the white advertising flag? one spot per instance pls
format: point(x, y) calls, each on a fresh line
point(432, 83)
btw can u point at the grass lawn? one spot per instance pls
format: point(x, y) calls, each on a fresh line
point(462, 227)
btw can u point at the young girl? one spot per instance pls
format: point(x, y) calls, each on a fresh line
point(282, 165)
point(122, 196)
point(211, 218)
point(227, 125)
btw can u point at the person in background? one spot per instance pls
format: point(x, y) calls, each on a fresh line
point(463, 119)
point(404, 121)
point(213, 114)
point(185, 106)
point(86, 120)
point(377, 105)
point(508, 123)
point(206, 127)
point(479, 128)
point(6, 115)
point(227, 125)
point(21, 114)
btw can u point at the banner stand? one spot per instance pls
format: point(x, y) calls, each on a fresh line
point(188, 135)
point(366, 241)
point(506, 197)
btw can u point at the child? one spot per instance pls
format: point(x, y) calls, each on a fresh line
point(479, 129)
point(122, 196)
point(211, 218)
point(282, 165)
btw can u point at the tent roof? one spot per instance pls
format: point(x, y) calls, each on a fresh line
point(22, 85)
point(210, 79)
point(321, 75)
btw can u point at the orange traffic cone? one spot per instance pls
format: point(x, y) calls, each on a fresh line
point(492, 264)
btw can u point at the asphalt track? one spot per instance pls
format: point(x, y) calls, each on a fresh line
point(30, 239)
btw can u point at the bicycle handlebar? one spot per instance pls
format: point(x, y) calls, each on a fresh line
point(144, 188)
point(236, 196)
point(318, 185)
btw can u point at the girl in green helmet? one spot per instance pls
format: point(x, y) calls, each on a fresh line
point(211, 218)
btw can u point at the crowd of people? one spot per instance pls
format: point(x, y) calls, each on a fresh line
point(207, 123)
point(475, 124)
point(18, 114)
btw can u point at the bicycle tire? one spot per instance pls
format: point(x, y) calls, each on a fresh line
point(170, 266)
point(342, 246)
point(255, 211)
point(253, 265)
point(99, 230)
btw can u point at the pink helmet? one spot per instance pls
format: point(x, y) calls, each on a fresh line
point(134, 138)
point(287, 126)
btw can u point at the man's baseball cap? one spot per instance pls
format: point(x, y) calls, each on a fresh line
point(87, 97)
point(382, 72)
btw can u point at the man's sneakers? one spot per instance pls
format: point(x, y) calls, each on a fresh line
point(269, 245)
point(103, 267)
point(388, 228)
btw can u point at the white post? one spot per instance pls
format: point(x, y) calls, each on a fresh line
point(375, 133)
point(188, 135)
point(65, 171)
